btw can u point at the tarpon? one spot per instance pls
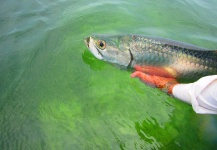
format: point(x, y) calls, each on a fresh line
point(175, 59)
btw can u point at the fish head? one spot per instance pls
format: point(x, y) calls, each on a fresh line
point(113, 49)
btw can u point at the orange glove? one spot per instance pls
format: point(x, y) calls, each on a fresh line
point(153, 70)
point(165, 84)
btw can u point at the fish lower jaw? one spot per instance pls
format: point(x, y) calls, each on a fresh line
point(96, 54)
point(94, 50)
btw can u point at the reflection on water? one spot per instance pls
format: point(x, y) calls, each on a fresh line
point(149, 141)
point(55, 95)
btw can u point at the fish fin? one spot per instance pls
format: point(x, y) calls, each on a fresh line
point(158, 71)
point(163, 83)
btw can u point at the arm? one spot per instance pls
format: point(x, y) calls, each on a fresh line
point(202, 95)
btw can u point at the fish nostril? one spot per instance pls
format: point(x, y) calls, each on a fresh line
point(87, 40)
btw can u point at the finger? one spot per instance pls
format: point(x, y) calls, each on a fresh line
point(165, 84)
point(144, 77)
point(153, 70)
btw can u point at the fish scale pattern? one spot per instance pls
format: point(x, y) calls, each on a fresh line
point(188, 62)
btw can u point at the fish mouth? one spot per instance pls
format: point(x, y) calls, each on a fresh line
point(93, 49)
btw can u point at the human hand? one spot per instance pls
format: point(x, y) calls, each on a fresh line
point(163, 83)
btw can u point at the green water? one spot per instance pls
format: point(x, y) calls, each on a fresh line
point(54, 94)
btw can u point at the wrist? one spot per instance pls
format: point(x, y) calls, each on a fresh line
point(180, 91)
point(168, 87)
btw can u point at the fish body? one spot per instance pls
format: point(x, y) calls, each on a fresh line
point(182, 61)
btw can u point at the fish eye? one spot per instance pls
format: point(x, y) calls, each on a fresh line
point(101, 44)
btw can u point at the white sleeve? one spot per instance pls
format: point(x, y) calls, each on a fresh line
point(202, 94)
